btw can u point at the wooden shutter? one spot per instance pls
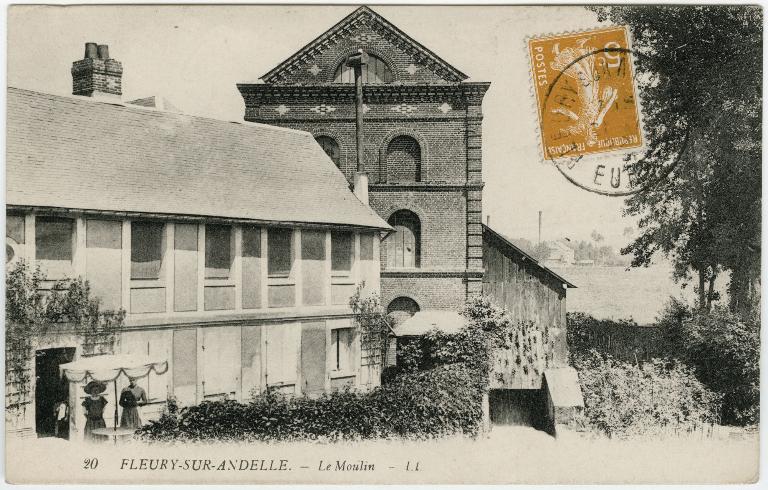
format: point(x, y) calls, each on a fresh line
point(313, 357)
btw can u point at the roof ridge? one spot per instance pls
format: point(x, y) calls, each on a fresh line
point(136, 107)
point(76, 153)
point(535, 262)
point(380, 19)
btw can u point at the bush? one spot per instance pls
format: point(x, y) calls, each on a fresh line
point(623, 399)
point(426, 404)
point(477, 345)
point(724, 351)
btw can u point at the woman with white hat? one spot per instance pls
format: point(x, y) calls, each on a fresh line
point(94, 411)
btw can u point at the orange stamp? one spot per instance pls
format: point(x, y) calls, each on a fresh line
point(585, 93)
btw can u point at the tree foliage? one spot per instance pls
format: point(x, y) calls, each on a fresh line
point(723, 349)
point(699, 72)
point(32, 311)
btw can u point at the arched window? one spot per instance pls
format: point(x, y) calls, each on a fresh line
point(331, 148)
point(404, 244)
point(402, 308)
point(403, 160)
point(376, 71)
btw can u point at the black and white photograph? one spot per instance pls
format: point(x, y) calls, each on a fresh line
point(383, 244)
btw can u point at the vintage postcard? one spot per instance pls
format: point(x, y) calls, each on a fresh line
point(384, 244)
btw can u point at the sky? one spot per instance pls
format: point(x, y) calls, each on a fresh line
point(194, 56)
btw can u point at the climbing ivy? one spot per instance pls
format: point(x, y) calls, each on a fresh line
point(33, 313)
point(371, 320)
point(485, 345)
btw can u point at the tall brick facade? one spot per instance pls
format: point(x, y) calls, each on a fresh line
point(422, 149)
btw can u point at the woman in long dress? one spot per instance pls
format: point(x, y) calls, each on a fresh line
point(94, 411)
point(131, 398)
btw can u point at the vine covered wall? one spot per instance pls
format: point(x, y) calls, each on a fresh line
point(35, 316)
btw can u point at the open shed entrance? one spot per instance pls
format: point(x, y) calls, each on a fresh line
point(50, 389)
point(518, 407)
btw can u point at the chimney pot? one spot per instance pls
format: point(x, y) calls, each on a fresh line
point(97, 75)
point(90, 51)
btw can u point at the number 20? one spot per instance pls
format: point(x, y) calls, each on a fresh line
point(90, 464)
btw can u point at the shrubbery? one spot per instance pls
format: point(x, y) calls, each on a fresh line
point(624, 399)
point(488, 331)
point(425, 404)
point(719, 347)
point(724, 351)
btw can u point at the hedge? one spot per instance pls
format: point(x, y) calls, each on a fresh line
point(420, 405)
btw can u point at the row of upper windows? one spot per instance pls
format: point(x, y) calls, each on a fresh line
point(402, 157)
point(55, 242)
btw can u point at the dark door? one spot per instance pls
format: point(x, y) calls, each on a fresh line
point(517, 407)
point(50, 389)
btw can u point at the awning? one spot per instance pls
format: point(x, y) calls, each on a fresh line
point(108, 368)
point(423, 321)
point(564, 387)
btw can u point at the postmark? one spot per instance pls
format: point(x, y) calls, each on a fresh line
point(588, 109)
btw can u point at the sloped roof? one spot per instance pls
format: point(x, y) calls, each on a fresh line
point(350, 19)
point(508, 243)
point(79, 153)
point(564, 388)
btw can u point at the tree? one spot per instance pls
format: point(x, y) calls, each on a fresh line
point(699, 72)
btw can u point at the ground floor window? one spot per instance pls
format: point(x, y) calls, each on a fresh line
point(342, 350)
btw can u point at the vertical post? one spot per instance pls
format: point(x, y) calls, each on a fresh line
point(357, 61)
point(297, 269)
point(201, 267)
point(79, 257)
point(237, 268)
point(170, 267)
point(539, 228)
point(117, 400)
point(126, 266)
point(358, 67)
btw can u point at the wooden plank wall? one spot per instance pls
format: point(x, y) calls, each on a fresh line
point(529, 294)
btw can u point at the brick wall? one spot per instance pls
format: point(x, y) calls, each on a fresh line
point(428, 102)
point(97, 75)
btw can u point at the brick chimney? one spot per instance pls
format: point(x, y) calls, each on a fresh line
point(97, 75)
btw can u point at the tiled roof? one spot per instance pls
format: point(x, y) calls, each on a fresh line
point(80, 153)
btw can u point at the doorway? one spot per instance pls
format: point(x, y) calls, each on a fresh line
point(50, 389)
point(518, 407)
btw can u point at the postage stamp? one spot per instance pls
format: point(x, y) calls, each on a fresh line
point(587, 104)
point(585, 93)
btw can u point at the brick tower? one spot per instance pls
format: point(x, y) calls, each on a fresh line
point(421, 146)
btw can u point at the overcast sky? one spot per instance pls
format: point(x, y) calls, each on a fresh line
point(194, 56)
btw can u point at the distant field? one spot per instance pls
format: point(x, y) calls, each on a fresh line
point(615, 293)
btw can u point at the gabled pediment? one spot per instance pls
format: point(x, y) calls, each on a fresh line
point(408, 61)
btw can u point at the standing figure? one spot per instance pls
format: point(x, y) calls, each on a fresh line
point(94, 411)
point(61, 419)
point(131, 398)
